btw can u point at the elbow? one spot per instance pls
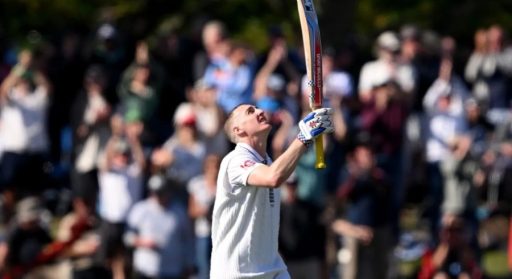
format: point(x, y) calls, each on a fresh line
point(275, 181)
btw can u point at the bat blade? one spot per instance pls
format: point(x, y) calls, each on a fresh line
point(313, 56)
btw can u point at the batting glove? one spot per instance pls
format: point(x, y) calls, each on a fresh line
point(314, 124)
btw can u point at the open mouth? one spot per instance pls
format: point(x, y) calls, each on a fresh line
point(262, 118)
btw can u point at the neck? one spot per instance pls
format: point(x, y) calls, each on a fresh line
point(259, 144)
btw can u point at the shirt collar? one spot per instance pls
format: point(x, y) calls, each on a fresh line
point(253, 151)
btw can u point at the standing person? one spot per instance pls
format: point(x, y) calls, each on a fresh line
point(181, 156)
point(24, 101)
point(446, 128)
point(245, 223)
point(159, 232)
point(366, 226)
point(201, 190)
point(233, 78)
point(214, 36)
point(387, 66)
point(489, 70)
point(89, 119)
point(121, 182)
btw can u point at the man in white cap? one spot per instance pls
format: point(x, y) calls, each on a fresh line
point(385, 68)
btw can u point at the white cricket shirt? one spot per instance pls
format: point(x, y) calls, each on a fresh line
point(245, 222)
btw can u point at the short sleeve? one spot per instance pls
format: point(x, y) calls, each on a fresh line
point(239, 169)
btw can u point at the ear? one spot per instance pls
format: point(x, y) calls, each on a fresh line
point(237, 131)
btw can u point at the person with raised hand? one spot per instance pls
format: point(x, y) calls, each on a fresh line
point(245, 223)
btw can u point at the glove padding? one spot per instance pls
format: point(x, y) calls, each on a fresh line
point(316, 123)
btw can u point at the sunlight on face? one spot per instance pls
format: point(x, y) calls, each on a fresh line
point(250, 120)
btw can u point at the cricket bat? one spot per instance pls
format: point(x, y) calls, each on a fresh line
point(313, 56)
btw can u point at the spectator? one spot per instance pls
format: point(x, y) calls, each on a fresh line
point(78, 228)
point(384, 118)
point(444, 106)
point(181, 156)
point(480, 49)
point(159, 232)
point(24, 97)
point(138, 99)
point(233, 78)
point(214, 36)
point(366, 227)
point(270, 85)
point(424, 61)
point(291, 64)
point(201, 191)
point(140, 90)
point(453, 257)
point(386, 67)
point(26, 240)
point(89, 121)
point(209, 117)
point(489, 69)
point(121, 186)
point(108, 50)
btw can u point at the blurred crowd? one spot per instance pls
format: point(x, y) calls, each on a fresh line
point(110, 149)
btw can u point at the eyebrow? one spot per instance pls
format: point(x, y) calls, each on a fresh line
point(249, 108)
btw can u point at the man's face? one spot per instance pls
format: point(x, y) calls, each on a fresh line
point(250, 120)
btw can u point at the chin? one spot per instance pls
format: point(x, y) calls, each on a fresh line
point(268, 126)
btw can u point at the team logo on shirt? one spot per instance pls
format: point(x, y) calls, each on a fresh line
point(247, 164)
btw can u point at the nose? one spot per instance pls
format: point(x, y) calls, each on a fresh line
point(259, 111)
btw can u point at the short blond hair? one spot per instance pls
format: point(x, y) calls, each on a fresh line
point(228, 125)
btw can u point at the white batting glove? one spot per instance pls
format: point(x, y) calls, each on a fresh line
point(314, 124)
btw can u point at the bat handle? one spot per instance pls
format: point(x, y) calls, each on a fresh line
point(319, 150)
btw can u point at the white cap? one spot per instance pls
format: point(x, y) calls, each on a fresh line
point(389, 40)
point(184, 114)
point(156, 183)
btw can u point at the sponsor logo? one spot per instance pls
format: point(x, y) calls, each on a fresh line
point(247, 164)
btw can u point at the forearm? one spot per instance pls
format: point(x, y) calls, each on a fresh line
point(274, 175)
point(8, 83)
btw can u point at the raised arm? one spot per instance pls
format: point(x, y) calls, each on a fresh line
point(274, 175)
point(9, 82)
point(314, 124)
point(275, 56)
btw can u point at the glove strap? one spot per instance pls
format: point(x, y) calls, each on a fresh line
point(303, 139)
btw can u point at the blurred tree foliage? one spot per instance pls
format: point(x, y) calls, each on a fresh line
point(341, 21)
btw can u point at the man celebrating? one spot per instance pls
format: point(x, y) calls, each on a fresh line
point(246, 212)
